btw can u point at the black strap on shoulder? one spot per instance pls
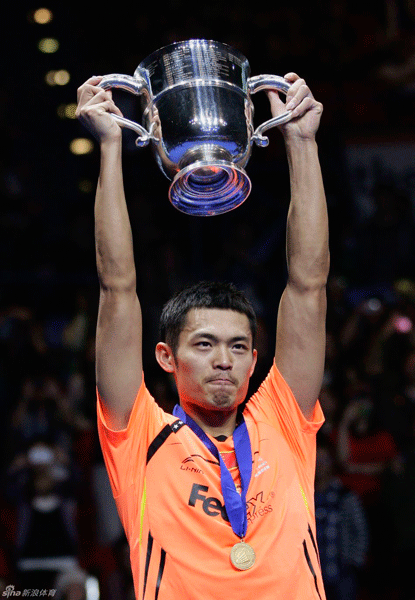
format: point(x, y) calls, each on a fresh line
point(162, 437)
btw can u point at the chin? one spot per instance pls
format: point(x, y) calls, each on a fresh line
point(223, 401)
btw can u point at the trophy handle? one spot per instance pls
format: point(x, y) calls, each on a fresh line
point(268, 82)
point(135, 86)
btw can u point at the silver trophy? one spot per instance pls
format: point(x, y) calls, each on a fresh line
point(198, 118)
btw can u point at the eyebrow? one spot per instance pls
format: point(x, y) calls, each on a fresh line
point(214, 338)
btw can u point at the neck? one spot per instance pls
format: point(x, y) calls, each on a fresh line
point(213, 422)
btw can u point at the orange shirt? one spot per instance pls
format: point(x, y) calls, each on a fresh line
point(167, 489)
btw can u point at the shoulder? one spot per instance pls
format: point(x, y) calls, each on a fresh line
point(145, 421)
point(275, 402)
point(126, 451)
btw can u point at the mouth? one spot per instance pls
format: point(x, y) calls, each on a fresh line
point(222, 381)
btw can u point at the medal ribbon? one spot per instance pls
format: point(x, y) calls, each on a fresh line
point(235, 504)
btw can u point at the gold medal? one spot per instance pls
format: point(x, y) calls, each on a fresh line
point(242, 556)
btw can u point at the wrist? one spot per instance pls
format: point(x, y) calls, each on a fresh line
point(301, 152)
point(110, 143)
point(293, 141)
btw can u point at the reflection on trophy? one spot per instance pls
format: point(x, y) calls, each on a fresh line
point(198, 118)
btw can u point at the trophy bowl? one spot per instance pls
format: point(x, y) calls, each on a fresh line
point(197, 115)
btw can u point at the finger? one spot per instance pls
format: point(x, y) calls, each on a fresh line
point(107, 106)
point(110, 107)
point(92, 110)
point(100, 95)
point(94, 80)
point(306, 105)
point(89, 89)
point(274, 98)
point(297, 85)
point(296, 94)
point(291, 77)
point(92, 96)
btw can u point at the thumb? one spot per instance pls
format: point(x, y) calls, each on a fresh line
point(276, 104)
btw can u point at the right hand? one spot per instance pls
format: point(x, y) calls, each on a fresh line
point(306, 111)
point(95, 106)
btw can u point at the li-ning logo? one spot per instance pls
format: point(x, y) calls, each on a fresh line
point(185, 466)
point(188, 466)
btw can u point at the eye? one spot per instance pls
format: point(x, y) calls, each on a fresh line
point(240, 347)
point(203, 344)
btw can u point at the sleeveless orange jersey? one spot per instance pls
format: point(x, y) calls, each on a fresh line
point(167, 488)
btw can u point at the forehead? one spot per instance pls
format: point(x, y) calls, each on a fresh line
point(216, 321)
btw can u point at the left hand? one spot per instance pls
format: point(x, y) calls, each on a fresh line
point(306, 111)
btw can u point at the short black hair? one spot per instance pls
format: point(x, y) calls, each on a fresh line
point(205, 294)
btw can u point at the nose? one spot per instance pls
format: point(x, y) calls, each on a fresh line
point(222, 358)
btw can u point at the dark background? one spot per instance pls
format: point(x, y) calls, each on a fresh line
point(47, 230)
point(48, 284)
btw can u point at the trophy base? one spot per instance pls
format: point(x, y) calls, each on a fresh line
point(207, 188)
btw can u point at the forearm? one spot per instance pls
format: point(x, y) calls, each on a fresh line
point(113, 237)
point(307, 224)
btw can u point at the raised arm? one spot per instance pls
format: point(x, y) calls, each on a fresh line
point(300, 340)
point(119, 327)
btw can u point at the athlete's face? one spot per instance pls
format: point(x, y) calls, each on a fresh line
point(214, 359)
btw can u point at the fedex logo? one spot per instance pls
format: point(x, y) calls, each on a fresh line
point(211, 506)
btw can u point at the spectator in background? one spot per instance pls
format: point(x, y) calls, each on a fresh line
point(71, 585)
point(397, 502)
point(366, 318)
point(20, 352)
point(45, 410)
point(120, 581)
point(389, 365)
point(332, 411)
point(42, 484)
point(364, 449)
point(342, 531)
point(399, 402)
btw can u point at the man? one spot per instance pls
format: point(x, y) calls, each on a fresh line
point(215, 503)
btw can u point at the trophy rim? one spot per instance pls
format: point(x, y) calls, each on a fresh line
point(231, 195)
point(184, 43)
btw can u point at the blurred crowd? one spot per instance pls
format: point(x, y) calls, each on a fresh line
point(58, 525)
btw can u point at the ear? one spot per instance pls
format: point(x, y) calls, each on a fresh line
point(165, 358)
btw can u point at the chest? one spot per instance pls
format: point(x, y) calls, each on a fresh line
point(184, 487)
